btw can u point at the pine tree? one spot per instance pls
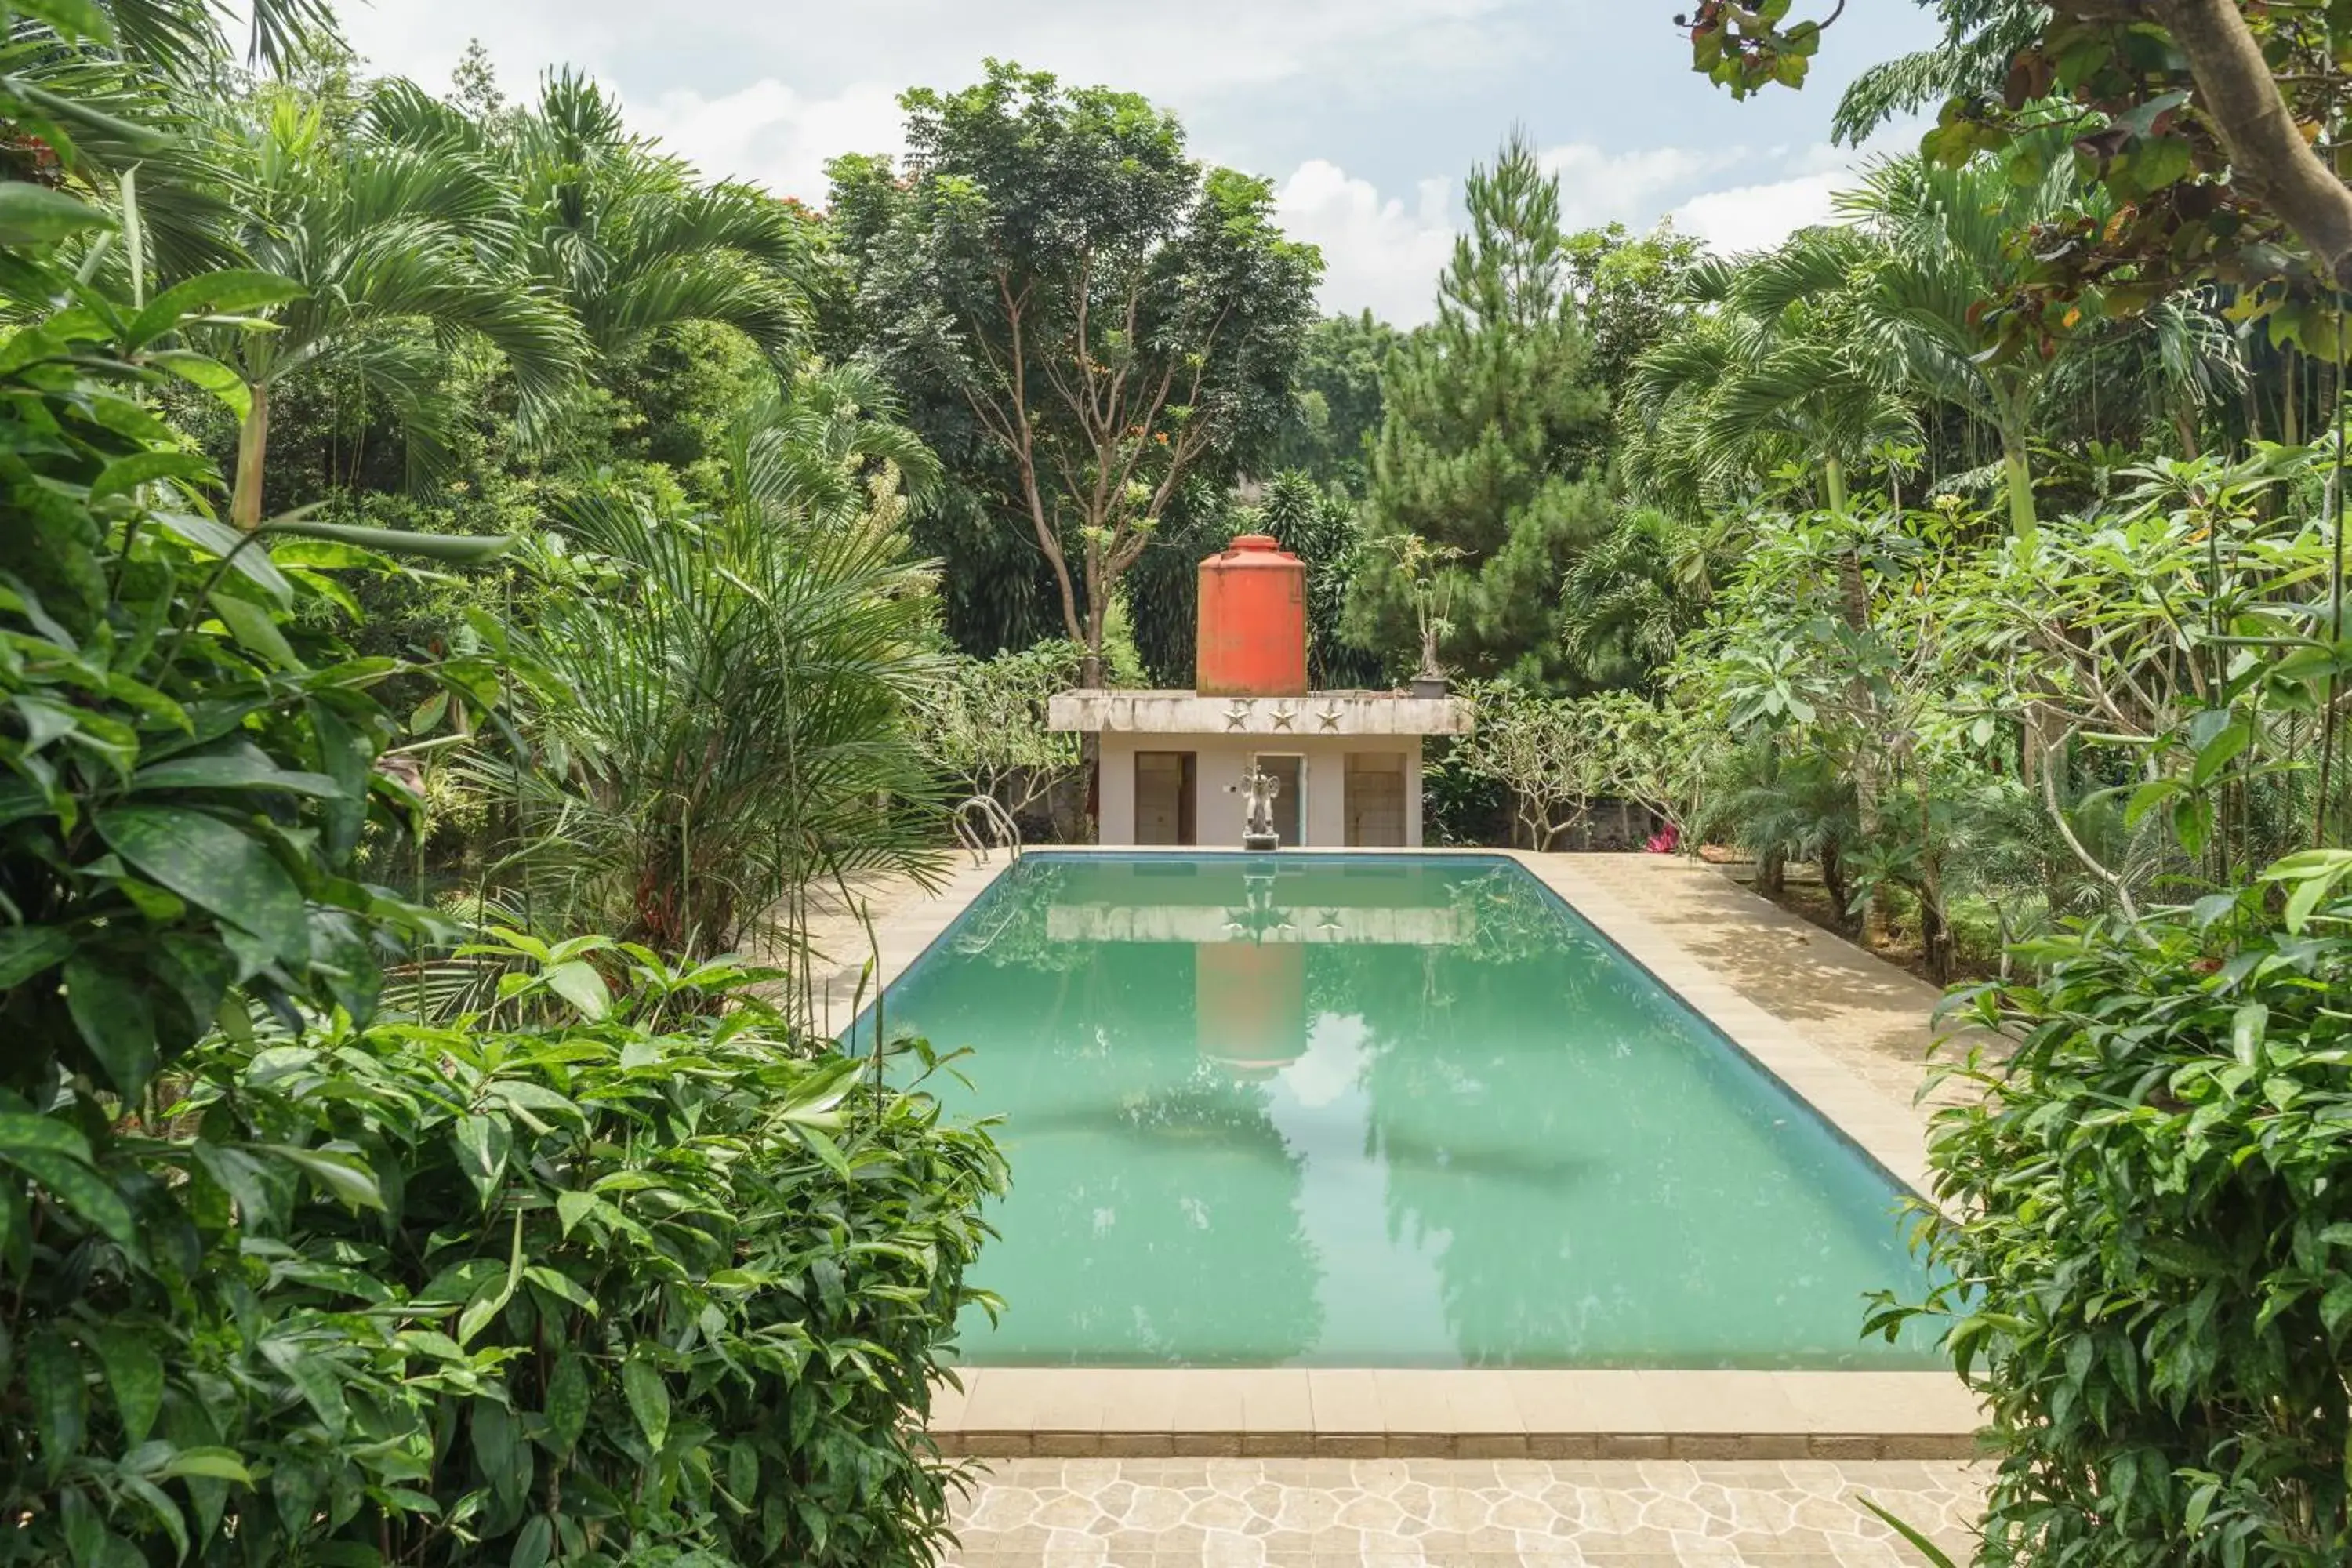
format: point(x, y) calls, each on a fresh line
point(1492, 418)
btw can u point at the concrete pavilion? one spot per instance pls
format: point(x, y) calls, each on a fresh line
point(1173, 763)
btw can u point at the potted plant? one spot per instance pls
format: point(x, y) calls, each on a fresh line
point(1419, 565)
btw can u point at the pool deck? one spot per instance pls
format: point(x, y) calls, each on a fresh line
point(1455, 1513)
point(1841, 1028)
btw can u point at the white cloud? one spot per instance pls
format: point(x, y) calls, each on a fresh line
point(1598, 187)
point(772, 135)
point(1762, 214)
point(1756, 217)
point(1377, 254)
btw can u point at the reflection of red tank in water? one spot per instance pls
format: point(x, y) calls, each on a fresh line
point(1252, 638)
point(1249, 1003)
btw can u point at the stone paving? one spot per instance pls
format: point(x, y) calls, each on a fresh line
point(1457, 1513)
point(1871, 1015)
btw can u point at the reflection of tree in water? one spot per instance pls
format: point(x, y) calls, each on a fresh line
point(1154, 1210)
point(1460, 1129)
point(1509, 917)
point(1008, 927)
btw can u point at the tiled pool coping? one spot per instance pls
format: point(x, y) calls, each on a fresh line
point(1294, 1413)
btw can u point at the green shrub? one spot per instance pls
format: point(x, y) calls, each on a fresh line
point(639, 1276)
point(186, 766)
point(285, 1285)
point(2150, 1236)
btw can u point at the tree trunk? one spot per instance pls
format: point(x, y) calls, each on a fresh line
point(1863, 765)
point(1833, 879)
point(2269, 159)
point(252, 449)
point(2019, 475)
point(1934, 930)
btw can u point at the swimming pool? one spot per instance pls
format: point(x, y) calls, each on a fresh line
point(1383, 1112)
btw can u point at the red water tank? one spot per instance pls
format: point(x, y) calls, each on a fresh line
point(1249, 1004)
point(1253, 638)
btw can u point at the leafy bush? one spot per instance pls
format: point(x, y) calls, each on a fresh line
point(288, 1285)
point(185, 770)
point(2150, 1236)
point(633, 1275)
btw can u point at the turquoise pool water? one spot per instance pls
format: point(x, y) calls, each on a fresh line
point(1378, 1112)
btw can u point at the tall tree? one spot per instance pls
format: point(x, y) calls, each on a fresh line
point(604, 221)
point(1773, 369)
point(386, 247)
point(1944, 253)
point(1116, 320)
point(1337, 411)
point(1485, 447)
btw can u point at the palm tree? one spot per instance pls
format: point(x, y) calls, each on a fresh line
point(623, 234)
point(723, 723)
point(1628, 601)
point(386, 243)
point(1943, 255)
point(1772, 368)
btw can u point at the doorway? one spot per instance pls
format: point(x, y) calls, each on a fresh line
point(1290, 800)
point(1375, 800)
point(1167, 793)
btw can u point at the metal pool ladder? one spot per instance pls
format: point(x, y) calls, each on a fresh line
point(994, 820)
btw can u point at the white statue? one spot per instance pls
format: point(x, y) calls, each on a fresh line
point(1258, 792)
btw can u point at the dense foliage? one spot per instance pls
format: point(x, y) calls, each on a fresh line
point(538, 1250)
point(1487, 418)
point(2146, 1225)
point(1115, 321)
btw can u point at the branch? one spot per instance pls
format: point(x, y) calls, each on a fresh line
point(2114, 880)
point(2269, 159)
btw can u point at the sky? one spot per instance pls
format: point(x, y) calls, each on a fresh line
point(1366, 114)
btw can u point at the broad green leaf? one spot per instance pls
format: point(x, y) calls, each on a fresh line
point(20, 1130)
point(81, 1190)
point(567, 1403)
point(813, 1099)
point(36, 214)
point(483, 1143)
point(85, 1532)
point(134, 1375)
point(648, 1398)
point(26, 951)
point(111, 1011)
point(160, 1508)
point(314, 1377)
point(533, 1543)
point(578, 983)
point(207, 373)
point(212, 1464)
point(489, 1304)
point(229, 292)
point(127, 474)
point(571, 1207)
point(244, 551)
point(246, 766)
point(345, 1175)
point(825, 1149)
point(561, 1286)
point(216, 866)
point(2220, 751)
point(2246, 1028)
point(458, 550)
point(53, 1379)
point(256, 630)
